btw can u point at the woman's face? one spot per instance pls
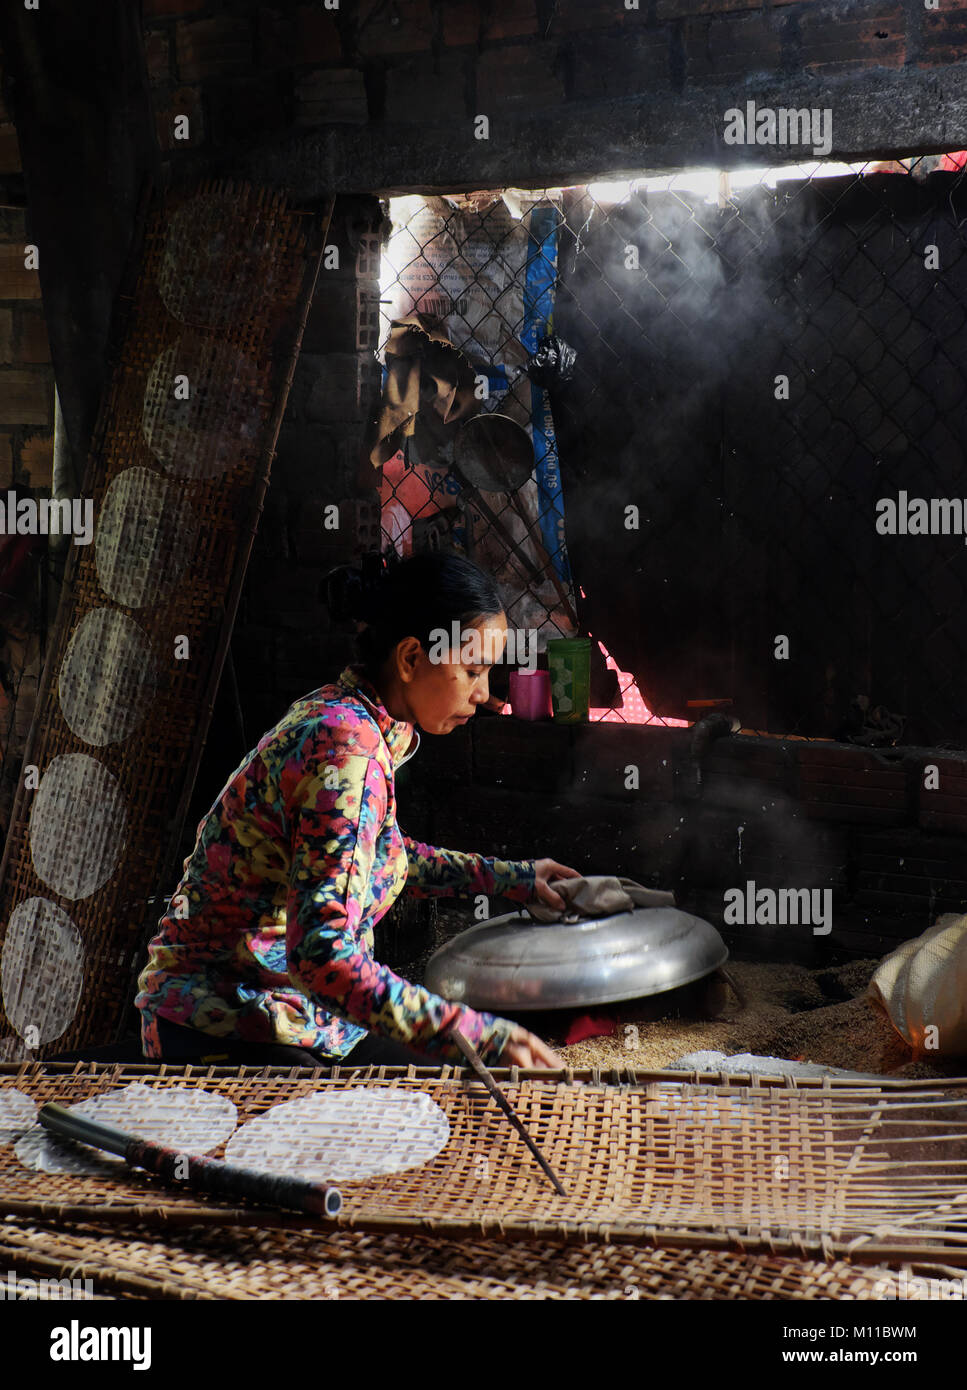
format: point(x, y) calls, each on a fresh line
point(443, 692)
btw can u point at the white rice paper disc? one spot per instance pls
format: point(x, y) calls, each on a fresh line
point(41, 969)
point(108, 677)
point(78, 822)
point(210, 263)
point(218, 425)
point(146, 533)
point(180, 1117)
point(17, 1113)
point(343, 1136)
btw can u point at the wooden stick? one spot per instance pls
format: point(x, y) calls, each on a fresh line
point(201, 1174)
point(472, 1057)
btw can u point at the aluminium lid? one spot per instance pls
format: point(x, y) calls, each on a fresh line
point(513, 962)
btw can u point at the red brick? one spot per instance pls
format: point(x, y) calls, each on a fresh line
point(214, 48)
point(420, 91)
point(848, 813)
point(157, 56)
point(943, 35)
point(32, 343)
point(9, 150)
point(377, 35)
point(614, 67)
point(682, 9)
point(850, 777)
point(16, 282)
point(37, 459)
point(186, 101)
point(821, 754)
point(949, 769)
point(319, 40)
point(730, 47)
point(944, 809)
point(462, 21)
point(518, 75)
point(466, 23)
point(875, 40)
point(306, 37)
point(6, 337)
point(26, 398)
point(331, 95)
point(572, 16)
point(169, 9)
point(892, 798)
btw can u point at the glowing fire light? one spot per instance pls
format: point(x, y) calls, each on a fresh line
point(633, 709)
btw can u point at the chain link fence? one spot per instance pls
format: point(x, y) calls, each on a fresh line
point(747, 486)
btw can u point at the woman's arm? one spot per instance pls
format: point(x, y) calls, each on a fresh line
point(335, 828)
point(433, 872)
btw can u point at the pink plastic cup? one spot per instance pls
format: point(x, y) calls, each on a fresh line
point(530, 694)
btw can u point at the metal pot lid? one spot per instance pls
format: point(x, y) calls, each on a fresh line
point(494, 452)
point(512, 962)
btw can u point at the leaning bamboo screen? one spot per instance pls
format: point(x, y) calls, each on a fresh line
point(177, 470)
point(867, 1174)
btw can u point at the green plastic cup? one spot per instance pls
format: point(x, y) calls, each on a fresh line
point(569, 662)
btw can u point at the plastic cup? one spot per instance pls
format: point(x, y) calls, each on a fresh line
point(530, 694)
point(569, 661)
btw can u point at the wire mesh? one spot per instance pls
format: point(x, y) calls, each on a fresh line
point(764, 360)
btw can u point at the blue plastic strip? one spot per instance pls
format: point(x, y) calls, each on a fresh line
point(539, 282)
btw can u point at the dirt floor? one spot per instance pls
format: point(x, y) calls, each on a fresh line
point(805, 1015)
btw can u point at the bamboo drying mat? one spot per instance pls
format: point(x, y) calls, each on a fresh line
point(347, 1265)
point(219, 289)
point(869, 1174)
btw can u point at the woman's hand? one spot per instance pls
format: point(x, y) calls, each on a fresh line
point(546, 869)
point(527, 1050)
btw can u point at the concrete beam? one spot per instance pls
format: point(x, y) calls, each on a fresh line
point(878, 114)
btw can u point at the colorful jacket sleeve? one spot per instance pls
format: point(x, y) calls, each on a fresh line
point(452, 873)
point(335, 829)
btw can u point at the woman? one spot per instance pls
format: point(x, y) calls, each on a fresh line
point(265, 953)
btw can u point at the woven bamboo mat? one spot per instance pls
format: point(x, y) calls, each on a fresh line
point(344, 1265)
point(862, 1173)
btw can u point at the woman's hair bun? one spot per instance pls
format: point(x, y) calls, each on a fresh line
point(355, 594)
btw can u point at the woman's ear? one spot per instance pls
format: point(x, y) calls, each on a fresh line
point(409, 655)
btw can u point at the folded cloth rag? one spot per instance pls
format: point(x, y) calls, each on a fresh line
point(597, 895)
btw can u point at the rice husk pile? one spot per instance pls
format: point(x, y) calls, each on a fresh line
point(804, 1015)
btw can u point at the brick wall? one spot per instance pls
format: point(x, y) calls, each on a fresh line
point(781, 813)
point(384, 95)
point(26, 377)
point(26, 458)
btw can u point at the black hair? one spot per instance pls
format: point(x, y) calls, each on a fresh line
point(408, 599)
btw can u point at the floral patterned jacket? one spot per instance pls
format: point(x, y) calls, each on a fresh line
point(269, 935)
